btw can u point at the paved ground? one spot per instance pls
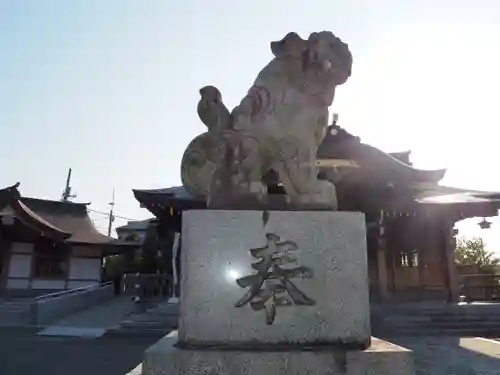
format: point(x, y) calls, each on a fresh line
point(453, 355)
point(23, 352)
point(94, 321)
point(104, 315)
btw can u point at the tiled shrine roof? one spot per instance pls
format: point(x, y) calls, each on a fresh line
point(66, 221)
point(378, 180)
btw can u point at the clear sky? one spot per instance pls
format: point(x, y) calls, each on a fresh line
point(110, 87)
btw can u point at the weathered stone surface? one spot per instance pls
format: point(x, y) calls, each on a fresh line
point(277, 126)
point(331, 248)
point(381, 358)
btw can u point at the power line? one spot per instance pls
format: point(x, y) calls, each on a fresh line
point(107, 214)
point(66, 196)
point(111, 214)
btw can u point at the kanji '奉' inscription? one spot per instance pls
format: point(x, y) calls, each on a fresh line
point(271, 286)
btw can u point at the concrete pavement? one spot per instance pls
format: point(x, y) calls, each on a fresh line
point(93, 322)
point(23, 352)
point(453, 355)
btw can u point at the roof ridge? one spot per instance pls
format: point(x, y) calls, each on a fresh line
point(56, 201)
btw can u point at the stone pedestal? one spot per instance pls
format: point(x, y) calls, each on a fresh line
point(274, 292)
point(381, 358)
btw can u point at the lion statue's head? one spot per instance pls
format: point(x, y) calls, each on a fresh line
point(323, 59)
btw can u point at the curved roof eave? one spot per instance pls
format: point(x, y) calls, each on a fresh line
point(340, 144)
point(370, 158)
point(61, 221)
point(174, 193)
point(31, 219)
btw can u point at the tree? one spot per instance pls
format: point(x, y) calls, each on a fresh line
point(133, 237)
point(114, 266)
point(473, 252)
point(149, 262)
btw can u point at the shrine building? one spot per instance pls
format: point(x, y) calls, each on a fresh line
point(49, 245)
point(410, 217)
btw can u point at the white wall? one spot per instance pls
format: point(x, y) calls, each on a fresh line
point(48, 284)
point(82, 271)
point(85, 269)
point(22, 248)
point(20, 265)
point(18, 284)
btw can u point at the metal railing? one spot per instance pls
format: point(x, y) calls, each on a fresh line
point(67, 292)
point(49, 307)
point(480, 287)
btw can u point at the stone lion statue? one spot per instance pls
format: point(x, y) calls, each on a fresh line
point(277, 126)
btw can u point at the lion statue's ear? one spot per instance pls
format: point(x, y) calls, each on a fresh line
point(292, 45)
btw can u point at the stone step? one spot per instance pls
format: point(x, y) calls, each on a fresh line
point(437, 320)
point(455, 311)
point(404, 319)
point(474, 319)
point(158, 316)
point(465, 317)
point(483, 321)
point(2, 308)
point(415, 314)
point(480, 326)
point(167, 319)
point(160, 332)
point(14, 319)
point(143, 324)
point(14, 311)
point(21, 312)
point(466, 321)
point(490, 319)
point(466, 332)
point(164, 311)
point(161, 318)
point(147, 317)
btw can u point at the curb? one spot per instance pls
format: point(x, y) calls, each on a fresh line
point(159, 333)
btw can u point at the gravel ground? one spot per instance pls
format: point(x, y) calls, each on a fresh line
point(22, 352)
point(453, 355)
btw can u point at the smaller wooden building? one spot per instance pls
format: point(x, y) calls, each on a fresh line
point(133, 230)
point(48, 245)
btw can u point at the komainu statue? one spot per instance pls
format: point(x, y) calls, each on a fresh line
point(278, 126)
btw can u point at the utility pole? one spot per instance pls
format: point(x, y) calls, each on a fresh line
point(111, 216)
point(335, 118)
point(66, 195)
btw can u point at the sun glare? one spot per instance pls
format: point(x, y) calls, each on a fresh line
point(431, 88)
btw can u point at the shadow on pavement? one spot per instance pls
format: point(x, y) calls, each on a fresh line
point(452, 355)
point(22, 352)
